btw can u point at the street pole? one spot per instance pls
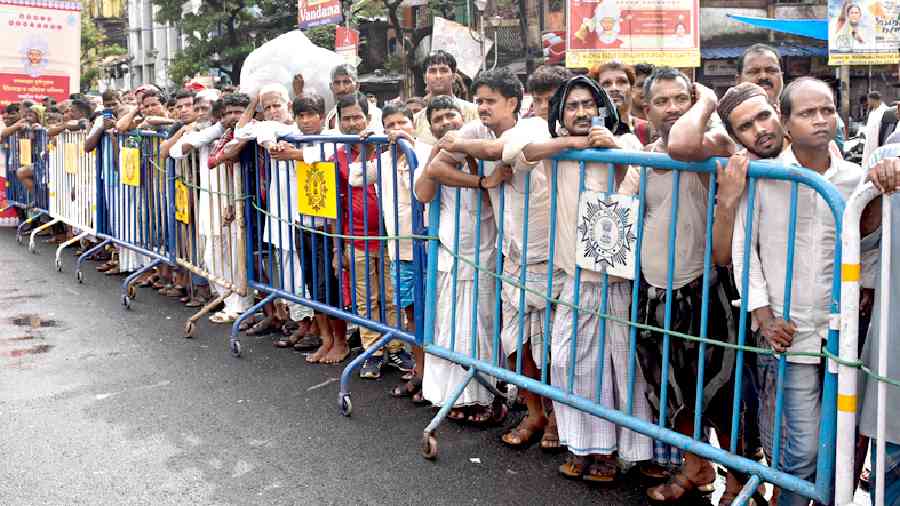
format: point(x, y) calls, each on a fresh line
point(845, 93)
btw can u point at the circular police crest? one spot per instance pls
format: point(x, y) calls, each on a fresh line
point(605, 233)
point(316, 188)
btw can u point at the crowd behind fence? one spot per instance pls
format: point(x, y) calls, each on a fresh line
point(302, 232)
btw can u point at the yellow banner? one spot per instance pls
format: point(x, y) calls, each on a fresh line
point(317, 189)
point(71, 158)
point(182, 212)
point(130, 166)
point(24, 152)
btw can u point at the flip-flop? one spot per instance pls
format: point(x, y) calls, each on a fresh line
point(403, 391)
point(601, 470)
point(574, 467)
point(342, 359)
point(263, 327)
point(223, 317)
point(286, 342)
point(526, 435)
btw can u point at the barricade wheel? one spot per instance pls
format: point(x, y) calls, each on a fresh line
point(235, 347)
point(346, 405)
point(59, 266)
point(429, 446)
point(189, 329)
point(131, 292)
point(126, 301)
point(79, 276)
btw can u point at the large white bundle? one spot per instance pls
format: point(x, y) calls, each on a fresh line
point(280, 59)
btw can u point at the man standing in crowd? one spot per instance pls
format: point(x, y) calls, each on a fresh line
point(440, 69)
point(670, 103)
point(761, 64)
point(313, 244)
point(362, 257)
point(395, 188)
point(459, 228)
point(488, 144)
point(617, 80)
point(809, 115)
point(344, 83)
point(641, 72)
point(591, 441)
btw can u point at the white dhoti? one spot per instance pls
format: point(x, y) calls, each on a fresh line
point(441, 377)
point(582, 433)
point(533, 312)
point(222, 259)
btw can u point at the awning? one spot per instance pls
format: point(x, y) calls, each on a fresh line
point(812, 28)
point(728, 53)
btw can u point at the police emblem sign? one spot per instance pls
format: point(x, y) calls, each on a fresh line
point(317, 184)
point(606, 233)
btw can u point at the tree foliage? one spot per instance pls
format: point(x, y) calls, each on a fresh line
point(94, 48)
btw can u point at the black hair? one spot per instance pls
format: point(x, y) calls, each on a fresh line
point(181, 94)
point(395, 108)
point(558, 105)
point(874, 95)
point(754, 49)
point(152, 93)
point(548, 78)
point(502, 81)
point(643, 69)
point(787, 95)
point(83, 106)
point(309, 102)
point(440, 57)
point(235, 100)
point(416, 100)
point(441, 102)
point(217, 109)
point(664, 74)
point(351, 100)
point(12, 108)
point(110, 95)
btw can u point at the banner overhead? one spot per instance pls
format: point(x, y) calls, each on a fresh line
point(661, 32)
point(40, 51)
point(312, 13)
point(863, 32)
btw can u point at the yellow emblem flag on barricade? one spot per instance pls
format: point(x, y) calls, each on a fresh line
point(71, 158)
point(24, 152)
point(181, 202)
point(317, 189)
point(130, 166)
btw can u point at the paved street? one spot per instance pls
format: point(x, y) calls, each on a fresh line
point(104, 406)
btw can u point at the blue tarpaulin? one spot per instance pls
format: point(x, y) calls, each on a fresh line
point(812, 28)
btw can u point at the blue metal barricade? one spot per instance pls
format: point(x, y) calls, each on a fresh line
point(301, 212)
point(652, 349)
point(135, 187)
point(27, 151)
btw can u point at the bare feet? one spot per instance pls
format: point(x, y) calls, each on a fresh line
point(337, 354)
point(319, 355)
point(526, 432)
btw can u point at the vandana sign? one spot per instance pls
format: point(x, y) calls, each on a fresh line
point(312, 13)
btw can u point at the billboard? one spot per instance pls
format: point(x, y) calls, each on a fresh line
point(312, 13)
point(346, 43)
point(661, 32)
point(863, 32)
point(40, 50)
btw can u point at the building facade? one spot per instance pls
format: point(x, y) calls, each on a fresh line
point(151, 46)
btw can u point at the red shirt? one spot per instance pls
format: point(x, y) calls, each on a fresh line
point(362, 202)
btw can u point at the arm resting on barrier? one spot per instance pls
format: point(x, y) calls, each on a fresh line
point(480, 149)
point(425, 187)
point(689, 139)
point(166, 146)
point(15, 127)
point(96, 133)
point(731, 181)
point(443, 169)
point(127, 121)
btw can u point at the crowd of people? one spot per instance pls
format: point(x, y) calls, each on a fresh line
point(636, 108)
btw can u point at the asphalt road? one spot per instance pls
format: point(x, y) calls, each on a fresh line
point(100, 405)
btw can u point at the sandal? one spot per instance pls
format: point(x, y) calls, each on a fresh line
point(550, 439)
point(308, 342)
point(654, 471)
point(601, 470)
point(408, 389)
point(457, 415)
point(249, 322)
point(263, 327)
point(522, 436)
point(286, 342)
point(488, 417)
point(419, 399)
point(574, 467)
point(677, 486)
point(223, 317)
point(196, 302)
